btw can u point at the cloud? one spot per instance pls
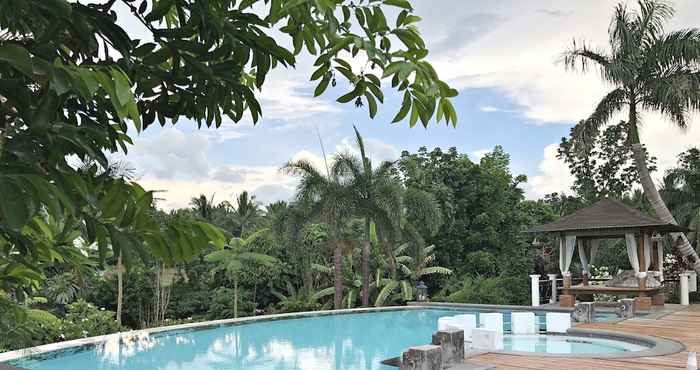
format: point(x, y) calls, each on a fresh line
point(555, 176)
point(274, 192)
point(287, 96)
point(377, 150)
point(171, 154)
point(478, 154)
point(229, 174)
point(489, 109)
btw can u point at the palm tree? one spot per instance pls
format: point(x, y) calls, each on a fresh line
point(116, 170)
point(246, 211)
point(203, 206)
point(650, 70)
point(378, 195)
point(235, 256)
point(331, 198)
point(681, 192)
point(412, 269)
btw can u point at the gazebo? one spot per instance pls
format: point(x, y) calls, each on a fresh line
point(611, 219)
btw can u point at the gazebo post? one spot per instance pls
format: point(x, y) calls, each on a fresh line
point(642, 302)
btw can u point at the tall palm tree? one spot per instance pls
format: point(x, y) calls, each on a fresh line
point(115, 170)
point(651, 71)
point(377, 193)
point(332, 199)
point(203, 206)
point(235, 256)
point(246, 212)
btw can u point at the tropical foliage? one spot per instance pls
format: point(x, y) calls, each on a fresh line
point(650, 70)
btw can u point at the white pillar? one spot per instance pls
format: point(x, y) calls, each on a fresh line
point(553, 282)
point(692, 281)
point(535, 282)
point(685, 300)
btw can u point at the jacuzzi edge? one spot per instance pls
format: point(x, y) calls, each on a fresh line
point(658, 346)
point(58, 346)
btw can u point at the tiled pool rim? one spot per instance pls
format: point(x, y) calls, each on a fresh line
point(661, 346)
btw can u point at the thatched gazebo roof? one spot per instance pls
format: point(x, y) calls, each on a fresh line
point(606, 217)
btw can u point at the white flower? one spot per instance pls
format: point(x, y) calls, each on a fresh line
point(102, 308)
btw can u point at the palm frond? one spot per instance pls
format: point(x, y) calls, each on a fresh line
point(385, 293)
point(321, 268)
point(581, 56)
point(322, 293)
point(586, 131)
point(407, 290)
point(401, 249)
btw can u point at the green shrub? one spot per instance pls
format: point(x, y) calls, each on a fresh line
point(479, 290)
point(481, 263)
point(43, 326)
point(495, 290)
point(14, 333)
point(84, 319)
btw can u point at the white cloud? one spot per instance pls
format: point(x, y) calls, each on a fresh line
point(554, 177)
point(177, 166)
point(478, 154)
point(377, 150)
point(171, 154)
point(665, 141)
point(489, 109)
point(287, 96)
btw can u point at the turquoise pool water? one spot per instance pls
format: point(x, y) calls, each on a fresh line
point(345, 341)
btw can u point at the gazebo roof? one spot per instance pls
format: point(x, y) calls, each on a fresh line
point(606, 215)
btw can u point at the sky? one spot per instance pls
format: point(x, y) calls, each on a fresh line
point(502, 56)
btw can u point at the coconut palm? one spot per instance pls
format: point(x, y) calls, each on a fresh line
point(203, 206)
point(235, 256)
point(377, 193)
point(650, 70)
point(681, 192)
point(246, 212)
point(412, 269)
point(332, 199)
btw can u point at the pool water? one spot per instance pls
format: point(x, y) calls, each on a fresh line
point(343, 341)
point(564, 344)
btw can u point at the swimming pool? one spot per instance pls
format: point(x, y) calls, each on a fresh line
point(340, 341)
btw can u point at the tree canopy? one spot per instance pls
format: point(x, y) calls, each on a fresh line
point(76, 83)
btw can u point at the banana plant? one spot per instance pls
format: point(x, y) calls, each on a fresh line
point(410, 271)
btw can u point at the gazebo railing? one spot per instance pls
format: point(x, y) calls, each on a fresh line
point(671, 288)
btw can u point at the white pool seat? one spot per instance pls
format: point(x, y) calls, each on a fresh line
point(465, 322)
point(523, 323)
point(447, 323)
point(486, 339)
point(557, 322)
point(492, 321)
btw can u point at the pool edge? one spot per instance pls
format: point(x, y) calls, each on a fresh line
point(659, 346)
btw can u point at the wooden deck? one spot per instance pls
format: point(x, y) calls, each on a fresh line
point(682, 326)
